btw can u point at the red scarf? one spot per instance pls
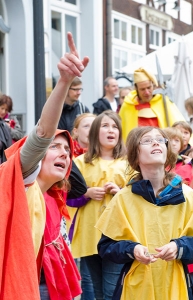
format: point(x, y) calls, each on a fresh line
point(77, 149)
point(61, 273)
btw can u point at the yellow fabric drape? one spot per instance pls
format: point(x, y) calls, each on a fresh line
point(37, 211)
point(86, 237)
point(130, 217)
point(129, 115)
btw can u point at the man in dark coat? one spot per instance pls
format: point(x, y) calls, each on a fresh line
point(108, 101)
point(72, 106)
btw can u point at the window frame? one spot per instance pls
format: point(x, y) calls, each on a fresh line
point(62, 9)
point(127, 46)
point(155, 29)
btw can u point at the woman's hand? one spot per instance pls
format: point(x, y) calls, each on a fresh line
point(95, 193)
point(70, 65)
point(143, 256)
point(111, 188)
point(167, 252)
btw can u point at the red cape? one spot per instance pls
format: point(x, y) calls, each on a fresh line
point(61, 274)
point(185, 171)
point(18, 272)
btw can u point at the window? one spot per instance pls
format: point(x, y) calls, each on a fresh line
point(71, 1)
point(129, 41)
point(62, 22)
point(136, 35)
point(171, 37)
point(70, 25)
point(120, 30)
point(135, 56)
point(56, 36)
point(155, 37)
point(120, 59)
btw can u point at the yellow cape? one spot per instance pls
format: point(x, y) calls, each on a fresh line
point(86, 237)
point(37, 211)
point(129, 115)
point(129, 217)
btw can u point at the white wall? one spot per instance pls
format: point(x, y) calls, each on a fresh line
point(19, 59)
point(92, 45)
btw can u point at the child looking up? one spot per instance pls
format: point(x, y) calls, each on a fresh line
point(103, 167)
point(183, 165)
point(186, 131)
point(80, 132)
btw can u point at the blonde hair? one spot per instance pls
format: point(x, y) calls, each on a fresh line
point(172, 133)
point(78, 120)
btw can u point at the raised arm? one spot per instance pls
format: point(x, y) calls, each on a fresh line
point(69, 66)
point(39, 139)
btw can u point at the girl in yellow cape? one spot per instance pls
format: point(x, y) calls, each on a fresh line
point(103, 167)
point(148, 225)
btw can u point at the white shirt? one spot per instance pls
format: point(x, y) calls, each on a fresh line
point(113, 105)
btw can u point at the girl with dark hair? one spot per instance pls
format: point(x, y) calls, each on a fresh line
point(148, 225)
point(103, 167)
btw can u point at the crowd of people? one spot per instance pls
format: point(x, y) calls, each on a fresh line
point(97, 204)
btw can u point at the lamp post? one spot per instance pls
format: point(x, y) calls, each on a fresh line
point(39, 62)
point(109, 37)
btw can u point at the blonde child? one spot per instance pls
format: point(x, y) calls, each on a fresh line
point(80, 132)
point(183, 165)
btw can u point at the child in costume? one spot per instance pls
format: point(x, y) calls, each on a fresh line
point(103, 167)
point(186, 131)
point(80, 132)
point(183, 165)
point(23, 182)
point(148, 225)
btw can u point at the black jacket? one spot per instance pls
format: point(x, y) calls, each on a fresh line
point(69, 114)
point(101, 105)
point(5, 138)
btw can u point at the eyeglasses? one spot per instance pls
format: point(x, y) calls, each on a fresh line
point(148, 141)
point(76, 90)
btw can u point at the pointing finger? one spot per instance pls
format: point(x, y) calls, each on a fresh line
point(71, 44)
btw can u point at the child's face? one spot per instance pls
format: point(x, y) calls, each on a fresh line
point(185, 135)
point(108, 134)
point(3, 110)
point(175, 144)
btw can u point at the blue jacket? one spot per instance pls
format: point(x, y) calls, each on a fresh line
point(122, 252)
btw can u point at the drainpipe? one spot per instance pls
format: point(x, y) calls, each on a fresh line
point(39, 62)
point(109, 37)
